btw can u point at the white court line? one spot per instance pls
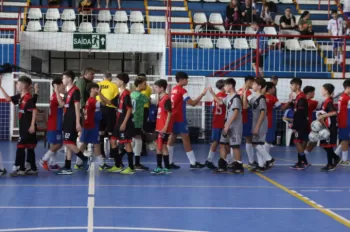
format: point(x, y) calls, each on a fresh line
point(333, 190)
point(91, 198)
point(309, 190)
point(99, 228)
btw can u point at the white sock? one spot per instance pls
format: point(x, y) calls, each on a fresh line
point(265, 155)
point(171, 153)
point(1, 162)
point(100, 160)
point(250, 152)
point(53, 159)
point(345, 155)
point(211, 156)
point(267, 147)
point(48, 155)
point(338, 150)
point(191, 157)
point(138, 147)
point(260, 159)
point(78, 161)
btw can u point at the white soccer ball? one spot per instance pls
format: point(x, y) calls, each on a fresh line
point(316, 126)
point(154, 99)
point(314, 137)
point(324, 134)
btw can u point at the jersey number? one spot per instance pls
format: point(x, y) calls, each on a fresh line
point(66, 135)
point(218, 110)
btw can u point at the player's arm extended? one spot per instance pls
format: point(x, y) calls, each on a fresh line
point(198, 99)
point(7, 97)
point(216, 98)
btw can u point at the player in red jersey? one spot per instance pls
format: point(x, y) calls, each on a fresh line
point(300, 123)
point(71, 124)
point(219, 114)
point(344, 123)
point(54, 126)
point(27, 115)
point(329, 119)
point(164, 127)
point(179, 100)
point(247, 118)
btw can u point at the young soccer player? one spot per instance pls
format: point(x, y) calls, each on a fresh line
point(257, 103)
point(138, 101)
point(247, 121)
point(309, 92)
point(179, 100)
point(124, 128)
point(164, 126)
point(329, 119)
point(71, 124)
point(219, 114)
point(90, 132)
point(300, 123)
point(54, 126)
point(27, 115)
point(232, 132)
point(344, 123)
point(272, 104)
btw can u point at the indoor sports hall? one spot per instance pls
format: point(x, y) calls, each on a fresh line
point(209, 40)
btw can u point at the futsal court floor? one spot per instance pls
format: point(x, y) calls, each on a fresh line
point(279, 200)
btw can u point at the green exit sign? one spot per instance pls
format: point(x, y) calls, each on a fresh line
point(89, 41)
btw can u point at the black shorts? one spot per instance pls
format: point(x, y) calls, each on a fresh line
point(137, 132)
point(70, 133)
point(123, 136)
point(301, 135)
point(332, 141)
point(108, 120)
point(27, 140)
point(162, 137)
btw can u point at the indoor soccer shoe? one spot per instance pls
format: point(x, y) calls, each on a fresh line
point(298, 166)
point(270, 163)
point(210, 165)
point(31, 172)
point(104, 167)
point(258, 169)
point(141, 168)
point(220, 170)
point(17, 173)
point(237, 168)
point(327, 168)
point(157, 171)
point(78, 166)
point(3, 172)
point(54, 168)
point(337, 161)
point(174, 166)
point(128, 171)
point(86, 165)
point(197, 166)
point(114, 169)
point(253, 165)
point(65, 171)
point(345, 163)
point(166, 171)
point(44, 164)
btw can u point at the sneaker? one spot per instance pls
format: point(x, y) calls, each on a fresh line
point(3, 172)
point(78, 166)
point(230, 165)
point(345, 163)
point(54, 168)
point(197, 166)
point(17, 173)
point(337, 161)
point(270, 163)
point(65, 171)
point(299, 166)
point(253, 165)
point(28, 166)
point(258, 169)
point(32, 172)
point(174, 166)
point(166, 171)
point(237, 168)
point(114, 169)
point(128, 171)
point(210, 165)
point(86, 164)
point(141, 168)
point(157, 171)
point(220, 170)
point(44, 164)
point(104, 167)
point(328, 168)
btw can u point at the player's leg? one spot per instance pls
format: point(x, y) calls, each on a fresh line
point(171, 143)
point(115, 154)
point(223, 149)
point(235, 142)
point(165, 153)
point(137, 150)
point(159, 150)
point(343, 148)
point(309, 147)
point(2, 168)
point(268, 161)
point(189, 152)
point(301, 136)
point(54, 138)
point(332, 159)
point(215, 138)
point(19, 162)
point(131, 169)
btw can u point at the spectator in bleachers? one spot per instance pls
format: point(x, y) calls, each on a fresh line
point(266, 15)
point(85, 10)
point(336, 28)
point(305, 24)
point(288, 24)
point(233, 15)
point(262, 46)
point(99, 3)
point(53, 3)
point(248, 12)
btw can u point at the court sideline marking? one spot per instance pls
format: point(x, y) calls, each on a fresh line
point(308, 201)
point(91, 198)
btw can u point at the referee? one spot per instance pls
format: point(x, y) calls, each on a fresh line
point(109, 90)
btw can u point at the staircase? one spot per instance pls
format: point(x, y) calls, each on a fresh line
point(9, 13)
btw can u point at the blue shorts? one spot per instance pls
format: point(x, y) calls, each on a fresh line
point(54, 137)
point(90, 136)
point(216, 134)
point(337, 43)
point(247, 129)
point(180, 128)
point(271, 134)
point(344, 134)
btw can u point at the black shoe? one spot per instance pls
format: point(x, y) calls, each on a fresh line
point(337, 161)
point(220, 170)
point(298, 166)
point(141, 168)
point(104, 167)
point(210, 165)
point(328, 168)
point(253, 165)
point(174, 166)
point(197, 166)
point(270, 163)
point(237, 168)
point(258, 169)
point(31, 172)
point(3, 172)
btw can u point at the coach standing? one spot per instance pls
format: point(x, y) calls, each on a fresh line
point(87, 77)
point(109, 90)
